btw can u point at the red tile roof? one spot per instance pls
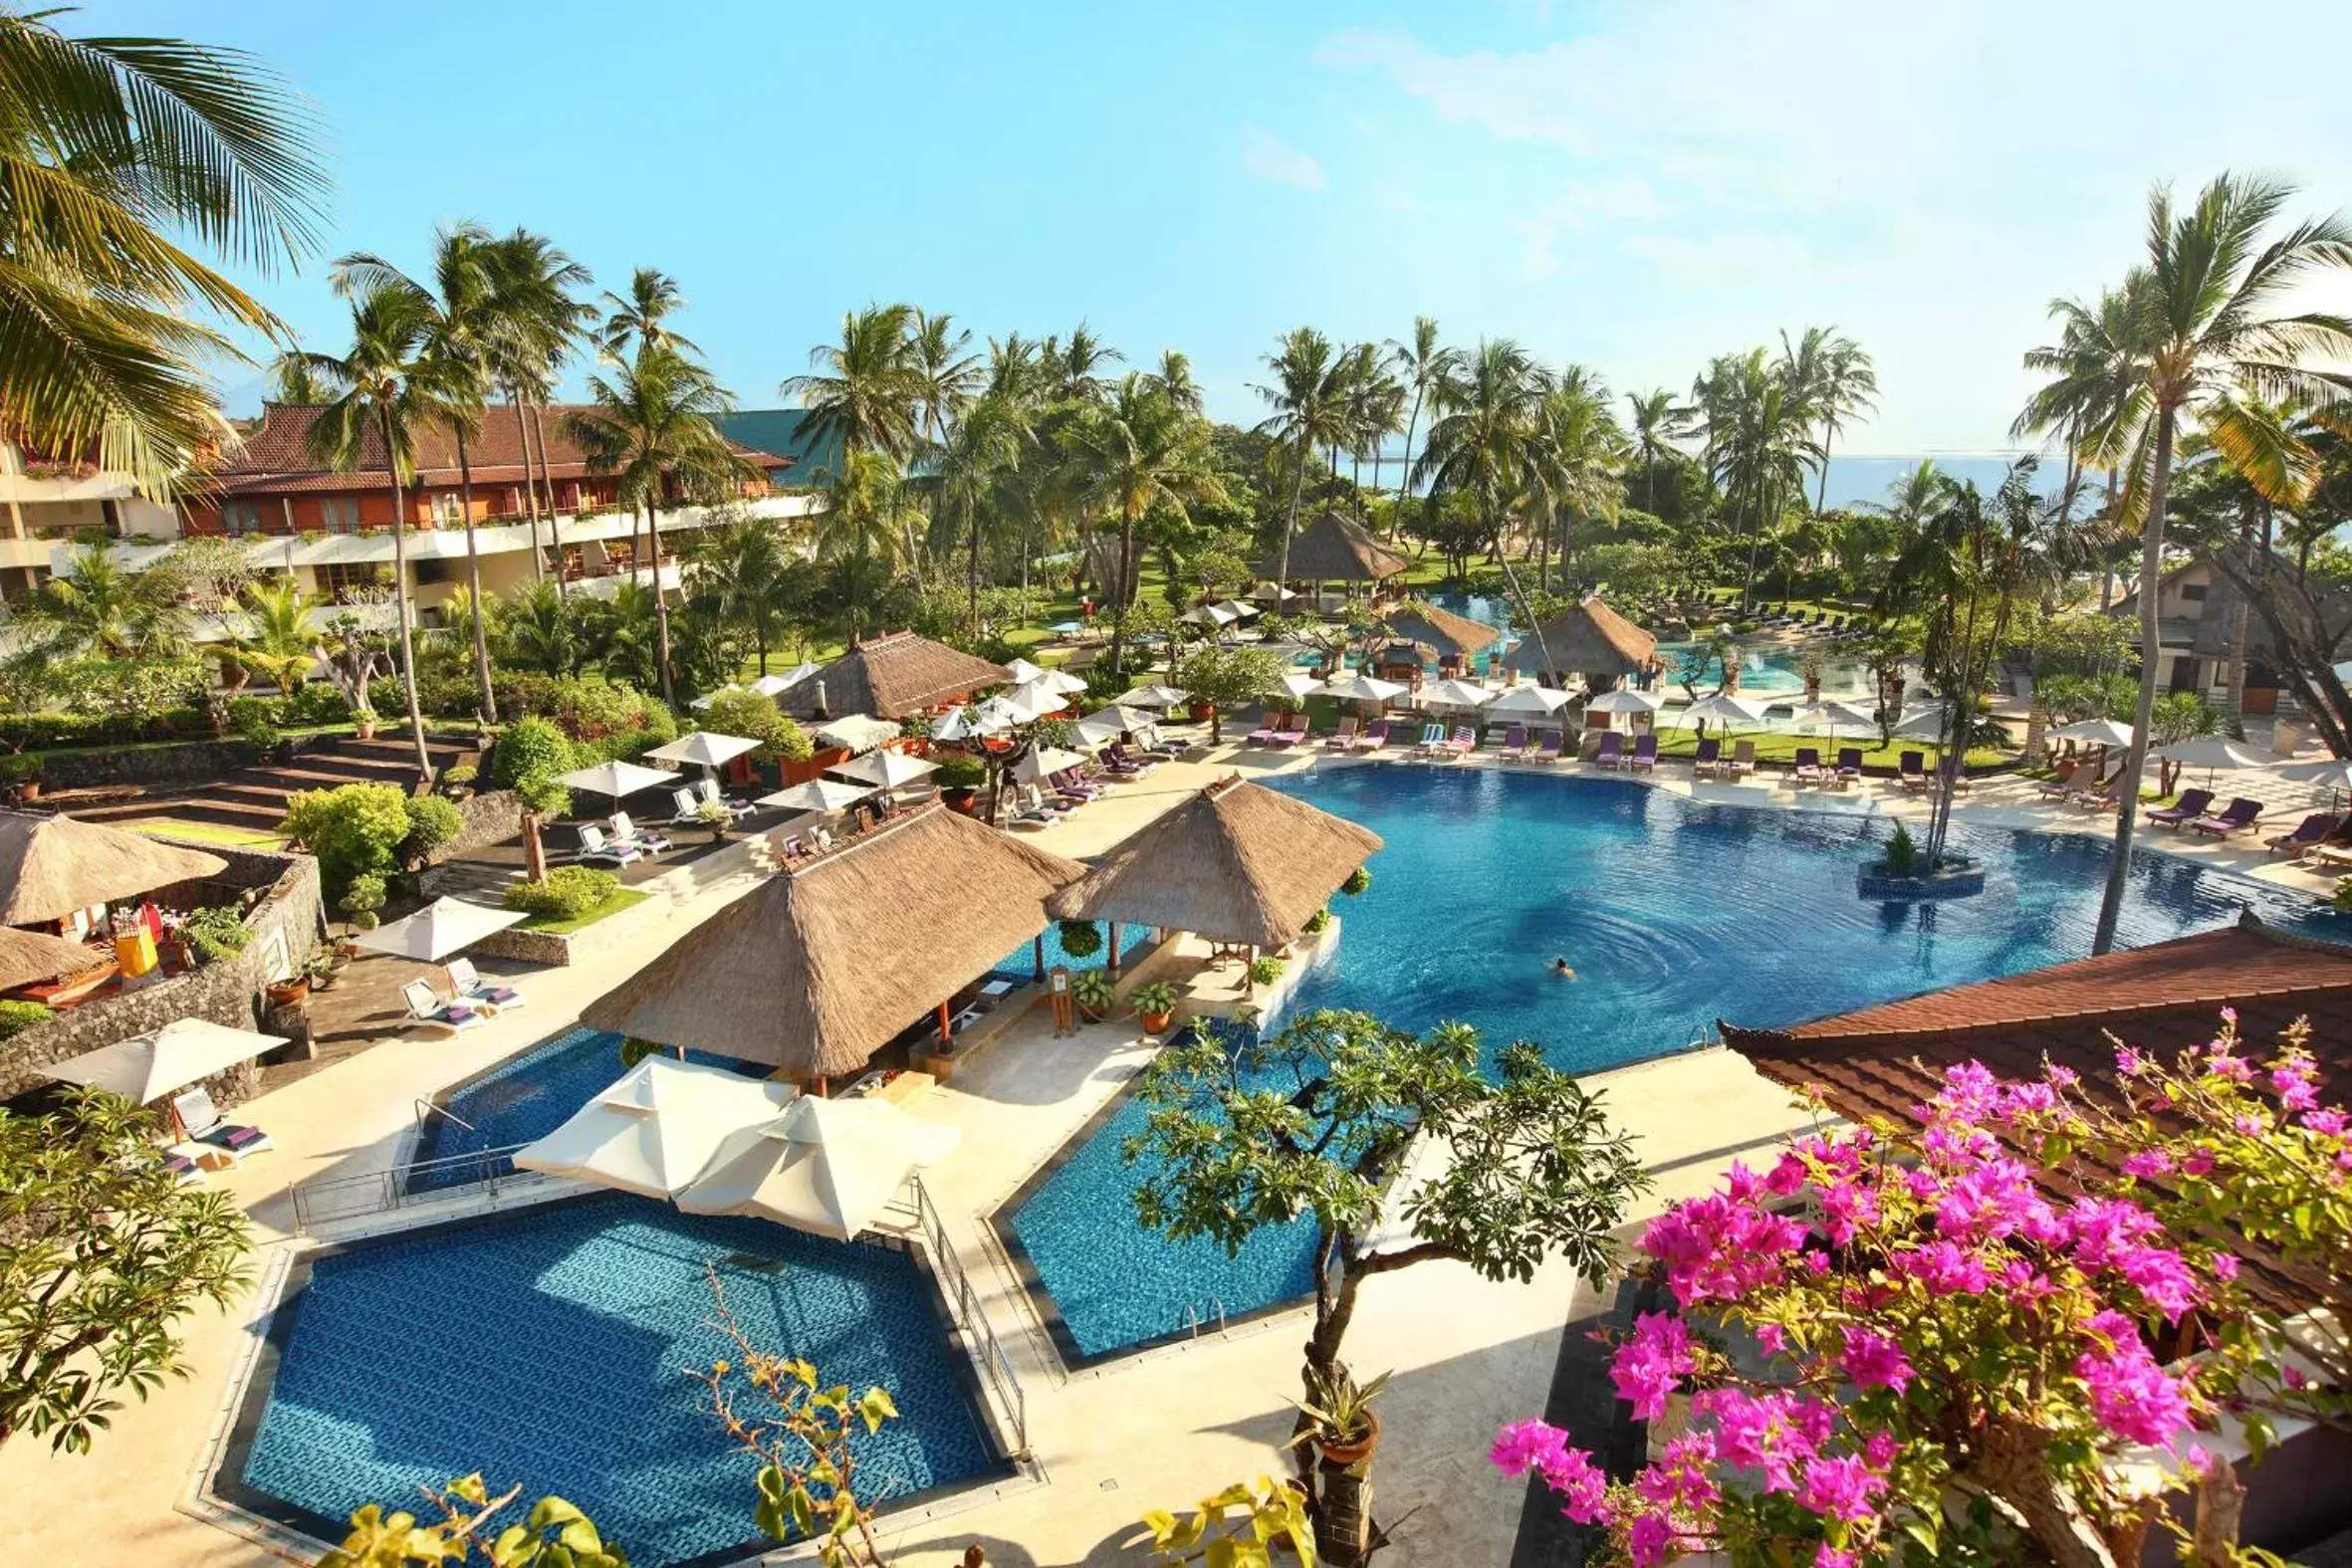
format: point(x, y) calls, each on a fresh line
point(275, 457)
point(1883, 1060)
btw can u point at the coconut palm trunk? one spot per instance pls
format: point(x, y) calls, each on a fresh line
point(530, 495)
point(391, 448)
point(2135, 757)
point(661, 608)
point(1282, 568)
point(473, 580)
point(1125, 589)
point(547, 472)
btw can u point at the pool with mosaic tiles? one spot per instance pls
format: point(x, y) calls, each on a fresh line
point(550, 1348)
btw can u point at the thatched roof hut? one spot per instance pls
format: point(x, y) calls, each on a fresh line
point(50, 867)
point(1332, 548)
point(1585, 639)
point(1440, 630)
point(1238, 862)
point(819, 967)
point(890, 677)
point(28, 956)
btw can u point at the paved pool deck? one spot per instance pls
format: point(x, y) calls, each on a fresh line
point(1157, 1429)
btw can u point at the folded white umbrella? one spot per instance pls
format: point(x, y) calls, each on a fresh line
point(1453, 694)
point(1624, 700)
point(1363, 688)
point(1042, 761)
point(1154, 696)
point(148, 1066)
point(860, 732)
point(440, 929)
point(886, 769)
point(818, 794)
point(702, 749)
point(828, 1167)
point(656, 1127)
point(2095, 732)
point(1719, 710)
point(1531, 701)
point(616, 780)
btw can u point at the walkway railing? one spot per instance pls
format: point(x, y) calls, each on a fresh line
point(963, 1306)
point(477, 1172)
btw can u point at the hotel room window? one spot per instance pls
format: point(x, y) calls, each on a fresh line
point(240, 517)
point(449, 509)
point(340, 514)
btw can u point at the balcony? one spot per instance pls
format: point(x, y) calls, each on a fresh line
point(44, 487)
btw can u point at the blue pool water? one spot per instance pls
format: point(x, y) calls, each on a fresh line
point(1019, 966)
point(1672, 913)
point(1766, 669)
point(551, 1349)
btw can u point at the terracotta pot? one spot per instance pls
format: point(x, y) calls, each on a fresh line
point(960, 799)
point(363, 729)
point(287, 992)
point(29, 791)
point(1156, 1023)
point(1343, 1454)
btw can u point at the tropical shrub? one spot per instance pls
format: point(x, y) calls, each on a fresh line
point(1359, 881)
point(18, 1017)
point(1316, 923)
point(959, 772)
point(1080, 939)
point(530, 746)
point(1265, 969)
point(1227, 676)
point(567, 893)
point(355, 830)
point(1902, 852)
point(756, 716)
point(1095, 989)
point(216, 932)
point(254, 720)
point(432, 822)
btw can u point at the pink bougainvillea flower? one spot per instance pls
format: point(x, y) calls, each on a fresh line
point(1647, 1366)
point(1840, 1489)
point(2130, 1395)
point(1874, 1361)
point(2148, 1161)
point(2326, 1123)
point(1649, 1538)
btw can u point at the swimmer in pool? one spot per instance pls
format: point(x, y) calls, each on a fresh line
point(1560, 967)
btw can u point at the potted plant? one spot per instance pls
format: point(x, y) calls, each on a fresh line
point(22, 772)
point(714, 816)
point(320, 969)
point(364, 724)
point(291, 992)
point(1094, 994)
point(1154, 1005)
point(1342, 1425)
point(959, 779)
point(1264, 970)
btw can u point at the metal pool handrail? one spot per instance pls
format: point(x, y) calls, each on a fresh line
point(381, 1191)
point(963, 1309)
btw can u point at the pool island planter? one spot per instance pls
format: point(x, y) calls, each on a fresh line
point(1954, 879)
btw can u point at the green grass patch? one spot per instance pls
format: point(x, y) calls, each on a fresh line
point(622, 899)
point(208, 832)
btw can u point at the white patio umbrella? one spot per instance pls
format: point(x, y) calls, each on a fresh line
point(1298, 688)
point(2095, 732)
point(860, 732)
point(1023, 672)
point(1243, 609)
point(2215, 754)
point(1042, 761)
point(818, 794)
point(1830, 716)
point(1209, 616)
point(654, 1129)
point(1925, 723)
point(1534, 702)
point(1109, 724)
point(774, 684)
point(440, 929)
point(1026, 704)
point(616, 780)
point(1365, 689)
point(828, 1167)
point(886, 769)
point(1453, 694)
point(2335, 773)
point(967, 723)
point(1721, 710)
point(703, 749)
point(1044, 695)
point(1625, 699)
point(148, 1066)
point(1152, 697)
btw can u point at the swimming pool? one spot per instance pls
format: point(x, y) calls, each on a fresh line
point(1019, 966)
point(551, 1348)
point(1766, 669)
point(1673, 913)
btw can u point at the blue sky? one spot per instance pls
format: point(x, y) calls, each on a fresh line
point(1632, 185)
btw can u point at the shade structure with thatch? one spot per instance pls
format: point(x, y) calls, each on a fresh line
point(892, 676)
point(820, 966)
point(1332, 548)
point(1238, 862)
point(52, 866)
point(28, 956)
point(1449, 635)
point(828, 1167)
point(1588, 639)
point(148, 1066)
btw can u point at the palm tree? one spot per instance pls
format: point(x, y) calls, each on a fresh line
point(2203, 325)
point(393, 386)
point(2097, 399)
point(1175, 380)
point(291, 383)
point(1658, 422)
point(635, 320)
point(1832, 375)
point(1014, 371)
point(538, 631)
point(278, 636)
point(1576, 460)
point(868, 389)
point(742, 566)
point(1075, 369)
point(461, 306)
point(1479, 441)
point(110, 148)
point(537, 319)
point(1375, 404)
point(1309, 395)
point(986, 445)
point(1759, 447)
point(1136, 452)
point(650, 424)
point(1422, 364)
point(946, 368)
point(864, 526)
point(99, 607)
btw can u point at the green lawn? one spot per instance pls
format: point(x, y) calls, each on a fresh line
point(622, 898)
point(1771, 747)
point(208, 832)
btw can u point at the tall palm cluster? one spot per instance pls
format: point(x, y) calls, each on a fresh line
point(2201, 340)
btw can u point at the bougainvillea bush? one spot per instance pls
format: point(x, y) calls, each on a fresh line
point(2022, 1316)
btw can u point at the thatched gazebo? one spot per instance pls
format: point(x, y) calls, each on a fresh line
point(1454, 639)
point(52, 866)
point(821, 965)
point(1588, 639)
point(892, 676)
point(28, 956)
point(1332, 548)
point(1238, 863)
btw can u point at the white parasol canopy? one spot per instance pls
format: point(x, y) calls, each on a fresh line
point(1152, 697)
point(860, 732)
point(818, 794)
point(2333, 773)
point(1210, 615)
point(1298, 688)
point(1625, 699)
point(1925, 723)
point(1042, 696)
point(2214, 752)
point(1109, 724)
point(967, 723)
point(438, 930)
point(830, 1167)
point(1534, 702)
point(2095, 732)
point(1363, 688)
point(616, 780)
point(1041, 762)
point(772, 685)
point(886, 769)
point(1453, 694)
point(654, 1129)
point(1023, 672)
point(1721, 709)
point(1830, 716)
point(148, 1066)
point(702, 749)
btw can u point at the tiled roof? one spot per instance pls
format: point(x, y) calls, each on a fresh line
point(276, 457)
point(2163, 998)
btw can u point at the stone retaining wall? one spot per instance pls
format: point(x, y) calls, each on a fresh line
point(287, 922)
point(491, 817)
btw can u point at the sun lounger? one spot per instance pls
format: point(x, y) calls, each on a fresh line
point(706, 789)
point(1515, 744)
point(1266, 733)
point(204, 1125)
point(1375, 736)
point(1343, 738)
point(1708, 761)
point(2083, 777)
point(1461, 742)
point(467, 984)
point(1849, 765)
point(1645, 755)
point(427, 1007)
point(1432, 742)
point(569, 843)
point(2188, 809)
point(1742, 759)
point(686, 809)
point(2312, 830)
point(1611, 753)
point(1808, 766)
point(2241, 815)
point(1293, 733)
point(1911, 769)
point(1548, 746)
point(629, 833)
point(793, 850)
